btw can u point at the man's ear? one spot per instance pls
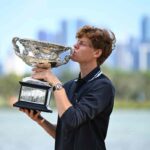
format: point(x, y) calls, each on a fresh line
point(97, 53)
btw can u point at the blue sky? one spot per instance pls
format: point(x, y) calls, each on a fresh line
point(23, 18)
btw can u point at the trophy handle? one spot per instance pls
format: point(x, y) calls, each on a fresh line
point(15, 46)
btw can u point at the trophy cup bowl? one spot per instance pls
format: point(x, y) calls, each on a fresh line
point(35, 94)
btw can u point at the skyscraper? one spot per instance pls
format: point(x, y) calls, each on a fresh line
point(144, 56)
point(146, 29)
point(43, 35)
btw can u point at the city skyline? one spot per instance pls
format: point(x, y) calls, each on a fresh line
point(26, 18)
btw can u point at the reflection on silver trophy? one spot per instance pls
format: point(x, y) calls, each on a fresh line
point(35, 94)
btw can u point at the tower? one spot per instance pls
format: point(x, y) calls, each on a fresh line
point(146, 29)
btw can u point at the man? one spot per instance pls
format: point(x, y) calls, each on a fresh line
point(84, 105)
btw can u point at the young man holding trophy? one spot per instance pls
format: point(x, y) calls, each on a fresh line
point(84, 104)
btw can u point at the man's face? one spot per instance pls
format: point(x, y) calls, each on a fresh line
point(83, 51)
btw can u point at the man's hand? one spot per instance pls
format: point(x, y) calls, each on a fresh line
point(45, 74)
point(34, 115)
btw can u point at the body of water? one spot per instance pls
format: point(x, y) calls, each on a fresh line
point(128, 130)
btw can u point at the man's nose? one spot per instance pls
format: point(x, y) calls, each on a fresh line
point(76, 45)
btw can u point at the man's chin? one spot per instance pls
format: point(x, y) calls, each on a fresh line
point(74, 60)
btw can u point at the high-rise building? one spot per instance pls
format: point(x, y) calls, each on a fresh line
point(146, 29)
point(1, 68)
point(64, 31)
point(133, 47)
point(144, 56)
point(144, 47)
point(43, 35)
point(124, 58)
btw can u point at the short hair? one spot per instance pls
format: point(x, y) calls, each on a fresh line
point(100, 38)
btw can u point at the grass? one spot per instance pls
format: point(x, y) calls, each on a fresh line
point(119, 104)
point(131, 104)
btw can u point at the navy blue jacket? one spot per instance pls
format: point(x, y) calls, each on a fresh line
point(84, 125)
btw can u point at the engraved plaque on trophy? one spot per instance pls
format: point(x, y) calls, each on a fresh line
point(35, 94)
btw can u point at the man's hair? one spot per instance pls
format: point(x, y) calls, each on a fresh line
point(100, 39)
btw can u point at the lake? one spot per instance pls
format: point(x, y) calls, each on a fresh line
point(128, 130)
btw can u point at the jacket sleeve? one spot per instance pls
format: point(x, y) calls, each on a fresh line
point(93, 102)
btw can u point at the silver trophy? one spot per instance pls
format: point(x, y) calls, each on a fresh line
point(35, 94)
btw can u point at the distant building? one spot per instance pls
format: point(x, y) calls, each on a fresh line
point(64, 31)
point(133, 46)
point(43, 35)
point(146, 29)
point(60, 37)
point(144, 47)
point(144, 56)
point(124, 58)
point(1, 68)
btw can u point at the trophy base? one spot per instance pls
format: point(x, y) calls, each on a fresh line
point(22, 104)
point(34, 94)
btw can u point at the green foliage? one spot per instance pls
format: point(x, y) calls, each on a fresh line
point(130, 86)
point(131, 104)
point(9, 85)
